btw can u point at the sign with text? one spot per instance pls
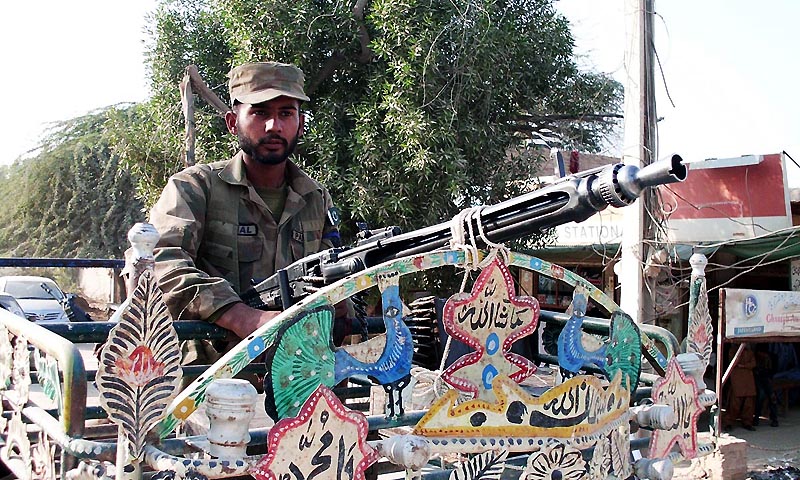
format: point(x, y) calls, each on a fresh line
point(605, 227)
point(761, 313)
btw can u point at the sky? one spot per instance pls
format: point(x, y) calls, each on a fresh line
point(731, 67)
point(64, 58)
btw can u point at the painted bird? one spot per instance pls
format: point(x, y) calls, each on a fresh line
point(392, 369)
point(304, 356)
point(572, 354)
point(620, 354)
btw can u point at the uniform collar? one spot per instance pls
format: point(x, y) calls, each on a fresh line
point(235, 173)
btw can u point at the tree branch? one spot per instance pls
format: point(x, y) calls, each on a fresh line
point(570, 117)
point(337, 59)
point(363, 37)
point(206, 93)
point(331, 64)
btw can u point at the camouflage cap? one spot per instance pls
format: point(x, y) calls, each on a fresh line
point(260, 82)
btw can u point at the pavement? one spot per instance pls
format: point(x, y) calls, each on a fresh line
point(773, 446)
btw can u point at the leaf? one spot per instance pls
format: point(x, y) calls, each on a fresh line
point(139, 368)
point(620, 451)
point(485, 466)
point(700, 333)
point(47, 376)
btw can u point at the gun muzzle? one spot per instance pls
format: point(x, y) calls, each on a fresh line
point(621, 185)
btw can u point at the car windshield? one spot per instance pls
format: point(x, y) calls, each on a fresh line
point(32, 290)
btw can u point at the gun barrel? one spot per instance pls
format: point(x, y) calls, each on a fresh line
point(623, 184)
point(571, 199)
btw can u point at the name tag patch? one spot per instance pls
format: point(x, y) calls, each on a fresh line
point(248, 230)
point(297, 236)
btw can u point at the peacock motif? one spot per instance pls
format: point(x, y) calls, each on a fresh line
point(304, 357)
point(392, 369)
point(573, 354)
point(621, 353)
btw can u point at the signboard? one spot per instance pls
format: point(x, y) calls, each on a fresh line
point(795, 274)
point(761, 313)
point(604, 228)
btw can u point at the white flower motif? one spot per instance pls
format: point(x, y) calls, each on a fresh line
point(558, 462)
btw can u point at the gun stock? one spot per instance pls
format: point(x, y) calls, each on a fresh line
point(571, 199)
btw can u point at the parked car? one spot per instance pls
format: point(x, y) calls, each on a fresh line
point(39, 297)
point(9, 303)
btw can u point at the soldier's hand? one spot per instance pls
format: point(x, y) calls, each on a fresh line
point(243, 320)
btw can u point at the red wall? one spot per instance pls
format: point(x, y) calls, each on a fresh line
point(741, 191)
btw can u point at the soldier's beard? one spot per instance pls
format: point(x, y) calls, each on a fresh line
point(272, 158)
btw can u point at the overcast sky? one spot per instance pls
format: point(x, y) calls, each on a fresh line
point(731, 67)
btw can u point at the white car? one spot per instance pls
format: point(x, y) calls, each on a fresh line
point(39, 297)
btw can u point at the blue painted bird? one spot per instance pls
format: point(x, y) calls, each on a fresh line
point(621, 353)
point(392, 370)
point(572, 354)
point(304, 356)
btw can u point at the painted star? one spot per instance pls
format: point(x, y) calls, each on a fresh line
point(489, 319)
point(680, 392)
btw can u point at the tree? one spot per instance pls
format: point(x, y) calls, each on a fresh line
point(72, 199)
point(419, 108)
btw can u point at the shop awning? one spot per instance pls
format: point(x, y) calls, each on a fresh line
point(781, 245)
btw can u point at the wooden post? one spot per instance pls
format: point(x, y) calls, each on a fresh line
point(187, 104)
point(638, 149)
point(720, 356)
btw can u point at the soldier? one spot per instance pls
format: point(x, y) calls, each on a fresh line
point(225, 223)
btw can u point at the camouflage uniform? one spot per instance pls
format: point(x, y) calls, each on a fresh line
point(217, 234)
point(216, 231)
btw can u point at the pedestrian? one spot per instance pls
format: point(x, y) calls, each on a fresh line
point(225, 223)
point(763, 372)
point(742, 398)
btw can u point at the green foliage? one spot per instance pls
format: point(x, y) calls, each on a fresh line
point(419, 108)
point(73, 199)
point(151, 144)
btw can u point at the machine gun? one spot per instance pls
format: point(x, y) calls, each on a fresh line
point(570, 199)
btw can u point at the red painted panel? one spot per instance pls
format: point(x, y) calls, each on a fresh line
point(737, 192)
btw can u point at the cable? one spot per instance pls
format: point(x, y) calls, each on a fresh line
point(752, 224)
point(790, 158)
point(663, 77)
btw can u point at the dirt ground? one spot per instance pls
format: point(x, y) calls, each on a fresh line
point(773, 446)
point(773, 453)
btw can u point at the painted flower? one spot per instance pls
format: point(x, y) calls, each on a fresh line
point(364, 281)
point(558, 462)
point(255, 348)
point(451, 258)
point(140, 367)
point(700, 335)
point(185, 408)
point(557, 271)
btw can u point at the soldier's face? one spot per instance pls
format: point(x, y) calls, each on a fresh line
point(268, 132)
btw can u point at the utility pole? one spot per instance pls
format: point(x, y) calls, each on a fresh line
point(639, 148)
